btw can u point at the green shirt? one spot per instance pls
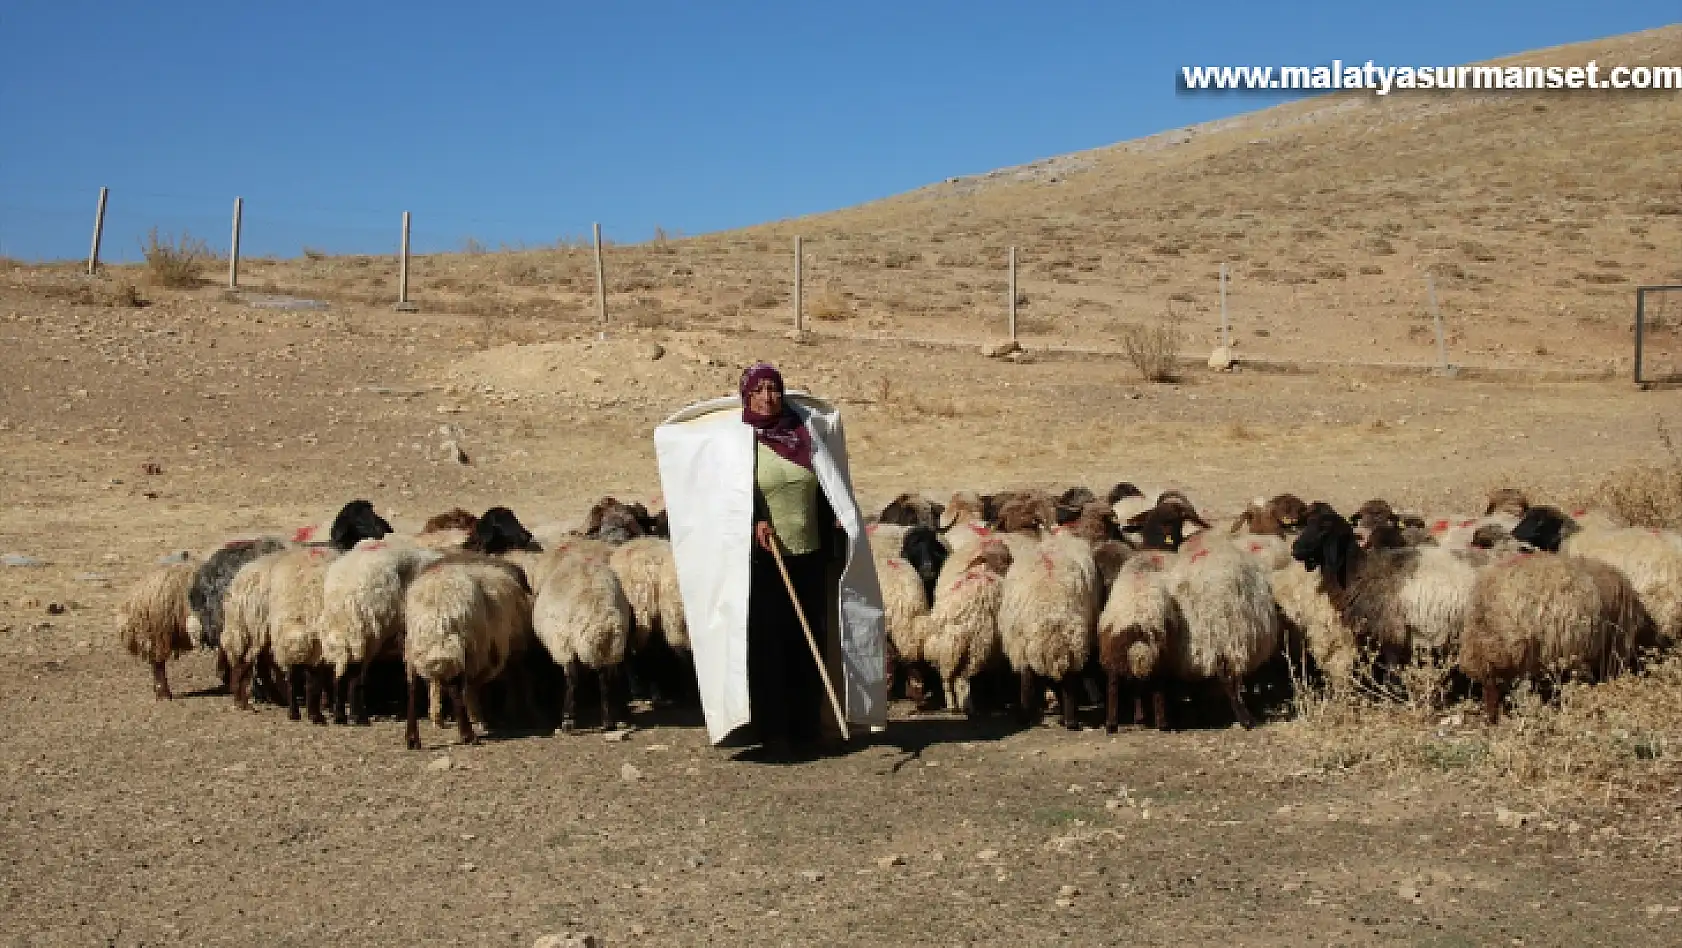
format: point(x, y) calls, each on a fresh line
point(791, 494)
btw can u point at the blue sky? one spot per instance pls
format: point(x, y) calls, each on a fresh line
point(523, 122)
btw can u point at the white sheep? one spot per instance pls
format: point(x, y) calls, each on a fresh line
point(580, 614)
point(1046, 617)
point(1138, 617)
point(962, 635)
point(464, 621)
point(295, 585)
point(1226, 608)
point(361, 616)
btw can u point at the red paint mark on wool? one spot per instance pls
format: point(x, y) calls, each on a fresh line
point(1199, 555)
point(1045, 560)
point(303, 535)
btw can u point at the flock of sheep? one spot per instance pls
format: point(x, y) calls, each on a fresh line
point(1020, 589)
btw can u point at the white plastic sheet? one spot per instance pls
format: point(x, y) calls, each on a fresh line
point(706, 458)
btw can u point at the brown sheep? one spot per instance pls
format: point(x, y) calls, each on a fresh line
point(153, 621)
point(1507, 500)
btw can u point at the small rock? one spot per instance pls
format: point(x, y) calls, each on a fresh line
point(1019, 357)
point(657, 747)
point(179, 556)
point(811, 875)
point(18, 559)
point(1220, 359)
point(629, 773)
point(1068, 892)
point(639, 930)
point(468, 837)
point(55, 608)
point(695, 862)
point(654, 351)
point(888, 862)
point(439, 765)
point(469, 867)
point(1065, 903)
point(987, 855)
point(1408, 892)
point(617, 737)
point(1000, 348)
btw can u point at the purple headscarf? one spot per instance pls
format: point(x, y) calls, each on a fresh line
point(784, 433)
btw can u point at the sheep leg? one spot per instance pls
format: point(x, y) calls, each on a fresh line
point(224, 671)
point(239, 684)
point(276, 689)
point(316, 681)
point(914, 691)
point(294, 691)
point(359, 694)
point(574, 671)
point(607, 679)
point(337, 684)
point(464, 724)
point(1071, 685)
point(1159, 703)
point(435, 703)
point(1028, 700)
point(1492, 689)
point(1234, 687)
point(411, 733)
point(1112, 702)
point(160, 681)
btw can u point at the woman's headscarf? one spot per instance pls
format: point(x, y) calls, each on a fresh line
point(783, 433)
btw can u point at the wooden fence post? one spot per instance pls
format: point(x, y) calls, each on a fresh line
point(403, 304)
point(233, 252)
point(799, 294)
point(1226, 327)
point(601, 279)
point(98, 231)
point(1013, 294)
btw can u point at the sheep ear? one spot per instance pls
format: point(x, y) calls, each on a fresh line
point(1355, 518)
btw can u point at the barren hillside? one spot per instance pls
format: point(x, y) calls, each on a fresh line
point(1536, 213)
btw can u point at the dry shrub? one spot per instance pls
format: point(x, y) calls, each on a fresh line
point(174, 264)
point(1155, 350)
point(1645, 495)
point(829, 304)
point(1623, 735)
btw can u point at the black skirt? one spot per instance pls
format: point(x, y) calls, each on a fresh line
point(785, 693)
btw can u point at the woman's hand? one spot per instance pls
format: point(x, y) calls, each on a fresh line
point(764, 535)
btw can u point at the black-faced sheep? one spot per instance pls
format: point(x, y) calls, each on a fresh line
point(1650, 559)
point(1405, 601)
point(153, 620)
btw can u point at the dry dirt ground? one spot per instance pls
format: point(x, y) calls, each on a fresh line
point(128, 821)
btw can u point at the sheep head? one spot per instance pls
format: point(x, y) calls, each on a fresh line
point(497, 532)
point(1123, 489)
point(1507, 500)
point(1327, 543)
point(357, 522)
point(1544, 528)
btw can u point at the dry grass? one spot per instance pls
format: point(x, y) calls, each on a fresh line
point(1621, 737)
point(175, 264)
point(1154, 350)
point(1647, 495)
point(829, 304)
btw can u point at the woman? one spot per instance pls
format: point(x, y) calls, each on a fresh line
point(743, 474)
point(790, 512)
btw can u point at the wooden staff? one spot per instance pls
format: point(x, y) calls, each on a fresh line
point(817, 656)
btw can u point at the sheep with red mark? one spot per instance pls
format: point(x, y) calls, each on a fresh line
point(1651, 559)
point(963, 625)
point(1047, 614)
point(465, 617)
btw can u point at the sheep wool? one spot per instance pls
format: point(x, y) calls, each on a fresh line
point(1652, 563)
point(152, 622)
point(1226, 603)
point(1049, 606)
point(362, 600)
point(1137, 619)
point(463, 620)
point(903, 601)
point(296, 582)
point(962, 634)
point(580, 612)
point(1312, 624)
point(1533, 613)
